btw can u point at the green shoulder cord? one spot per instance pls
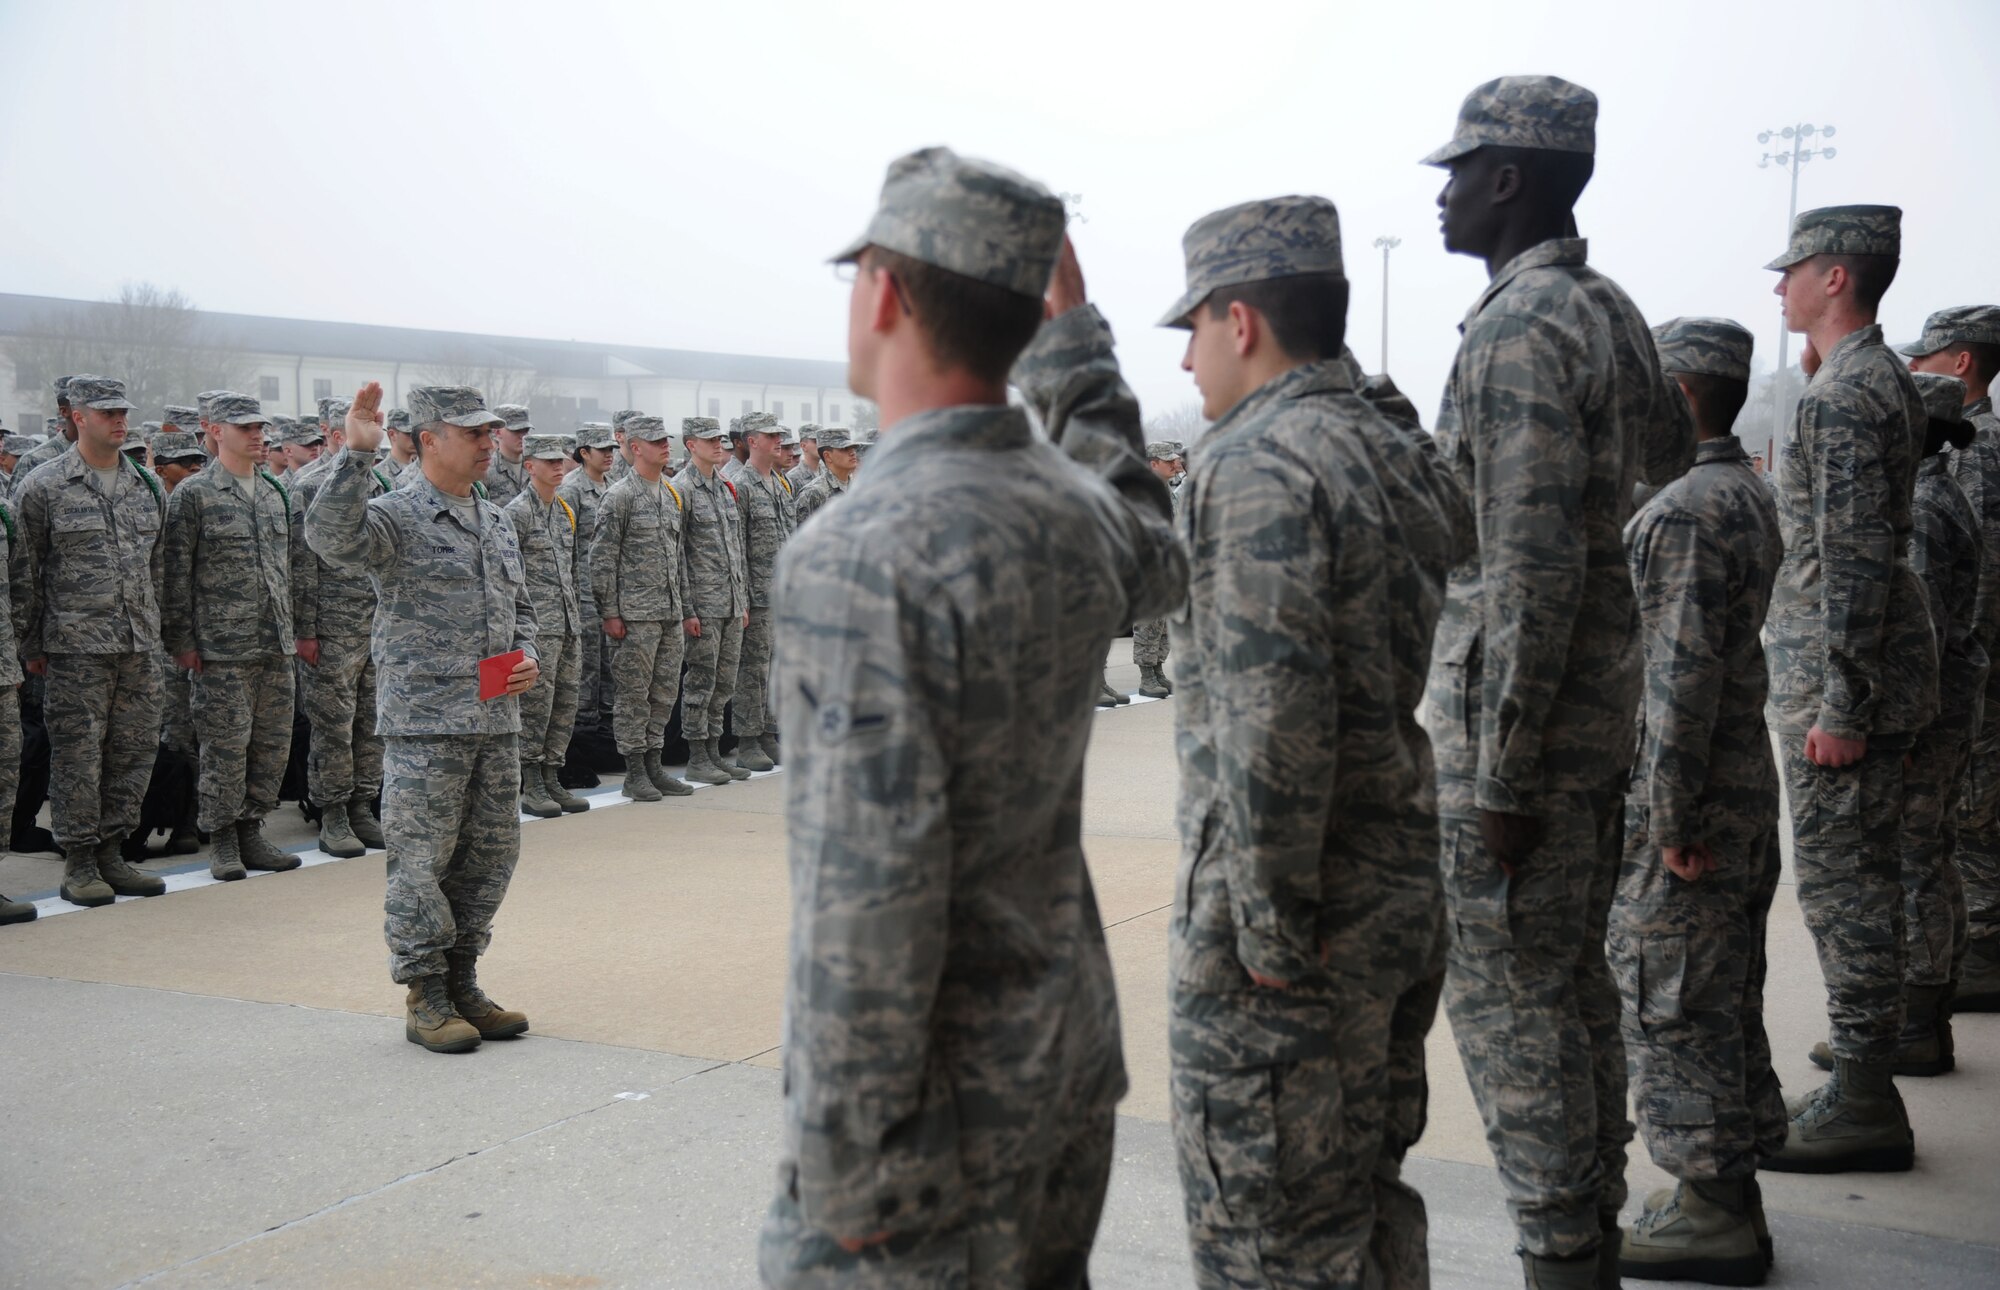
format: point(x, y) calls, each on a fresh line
point(151, 483)
point(283, 494)
point(7, 518)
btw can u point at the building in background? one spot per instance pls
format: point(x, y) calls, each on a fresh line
point(289, 363)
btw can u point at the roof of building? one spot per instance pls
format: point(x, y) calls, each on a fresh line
point(370, 342)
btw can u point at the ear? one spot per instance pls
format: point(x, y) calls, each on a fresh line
point(884, 307)
point(1836, 280)
point(1506, 183)
point(1961, 365)
point(1246, 328)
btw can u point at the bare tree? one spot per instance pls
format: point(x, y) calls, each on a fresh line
point(498, 382)
point(152, 338)
point(866, 417)
point(1183, 422)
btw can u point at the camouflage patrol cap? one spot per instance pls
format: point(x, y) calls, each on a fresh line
point(594, 434)
point(1545, 112)
point(333, 412)
point(835, 437)
point(15, 445)
point(810, 430)
point(619, 418)
point(547, 447)
point(513, 416)
point(458, 405)
point(236, 410)
point(759, 423)
point(1843, 230)
point(177, 445)
point(1279, 237)
point(100, 392)
point(306, 434)
point(145, 432)
point(279, 430)
point(1705, 347)
point(968, 217)
point(1959, 325)
point(179, 417)
point(1944, 396)
point(789, 437)
point(62, 388)
point(207, 397)
point(650, 428)
point(51, 427)
point(701, 428)
point(398, 419)
point(1163, 450)
point(862, 440)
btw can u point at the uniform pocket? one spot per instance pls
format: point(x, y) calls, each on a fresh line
point(1250, 1139)
point(1478, 891)
point(1662, 980)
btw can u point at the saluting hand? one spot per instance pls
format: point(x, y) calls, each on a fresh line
point(364, 418)
point(1066, 284)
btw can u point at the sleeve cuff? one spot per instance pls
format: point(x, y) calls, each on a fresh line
point(1274, 957)
point(1840, 725)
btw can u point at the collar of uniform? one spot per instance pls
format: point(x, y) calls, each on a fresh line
point(75, 467)
point(1979, 407)
point(1846, 345)
point(433, 498)
point(1557, 250)
point(1328, 376)
point(981, 427)
point(1727, 448)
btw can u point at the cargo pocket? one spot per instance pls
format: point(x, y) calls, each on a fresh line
point(1477, 891)
point(1226, 1124)
point(1662, 980)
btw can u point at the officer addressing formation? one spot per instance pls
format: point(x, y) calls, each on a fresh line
point(1483, 720)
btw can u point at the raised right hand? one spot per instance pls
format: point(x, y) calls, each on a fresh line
point(364, 419)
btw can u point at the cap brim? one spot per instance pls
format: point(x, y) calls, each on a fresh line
point(246, 420)
point(852, 253)
point(474, 420)
point(1177, 316)
point(1451, 152)
point(1787, 260)
point(111, 405)
point(1917, 348)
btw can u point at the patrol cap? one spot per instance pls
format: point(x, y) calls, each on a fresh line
point(862, 440)
point(547, 447)
point(593, 434)
point(458, 405)
point(1279, 237)
point(1959, 325)
point(51, 427)
point(1163, 450)
point(968, 217)
point(100, 392)
point(279, 430)
point(760, 423)
point(179, 417)
point(790, 437)
point(620, 418)
point(207, 397)
point(62, 388)
point(177, 445)
point(836, 437)
point(1944, 396)
point(652, 429)
point(1545, 112)
point(306, 434)
point(701, 428)
point(1843, 230)
point(810, 430)
point(236, 410)
point(15, 445)
point(145, 432)
point(1705, 347)
point(398, 419)
point(333, 412)
point(513, 416)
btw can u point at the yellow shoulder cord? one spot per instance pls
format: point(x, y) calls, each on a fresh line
point(678, 503)
point(567, 511)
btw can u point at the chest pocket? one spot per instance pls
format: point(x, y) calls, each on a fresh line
point(78, 525)
point(227, 524)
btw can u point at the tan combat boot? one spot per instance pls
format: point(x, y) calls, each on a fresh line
point(570, 803)
point(767, 743)
point(336, 834)
point(1699, 1232)
point(535, 799)
point(639, 785)
point(17, 911)
point(362, 819)
point(1153, 682)
point(729, 767)
point(433, 1022)
point(666, 781)
point(122, 878)
point(225, 857)
point(1540, 1272)
point(1854, 1121)
point(487, 1017)
point(257, 851)
point(701, 765)
point(750, 754)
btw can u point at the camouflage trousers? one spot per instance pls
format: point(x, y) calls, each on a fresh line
point(1978, 850)
point(1845, 849)
point(1535, 1014)
point(1030, 1228)
point(750, 713)
point(101, 711)
point(711, 676)
point(1149, 642)
point(548, 709)
point(1934, 913)
point(645, 677)
point(10, 745)
point(344, 759)
point(1689, 958)
point(243, 717)
point(450, 817)
point(593, 697)
point(176, 716)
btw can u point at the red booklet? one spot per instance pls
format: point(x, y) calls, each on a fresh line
point(493, 673)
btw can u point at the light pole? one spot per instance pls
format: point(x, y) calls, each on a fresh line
point(1790, 159)
point(1386, 245)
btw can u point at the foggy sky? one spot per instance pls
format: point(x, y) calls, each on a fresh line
point(675, 175)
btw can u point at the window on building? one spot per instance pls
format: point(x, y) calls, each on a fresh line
point(747, 409)
point(322, 387)
point(833, 413)
point(267, 389)
point(715, 407)
point(778, 409)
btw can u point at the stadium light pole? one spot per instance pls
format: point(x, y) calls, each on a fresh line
point(1790, 160)
point(1385, 245)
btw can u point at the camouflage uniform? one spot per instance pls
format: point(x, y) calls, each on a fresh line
point(178, 443)
point(449, 592)
point(584, 496)
point(1946, 551)
point(801, 475)
point(951, 1050)
point(621, 464)
point(1851, 649)
point(335, 605)
point(635, 575)
point(505, 479)
point(1554, 398)
point(716, 580)
point(768, 520)
point(13, 601)
point(1976, 469)
point(549, 537)
point(1689, 956)
point(55, 444)
point(1149, 638)
point(229, 600)
point(91, 574)
point(1284, 1099)
point(825, 487)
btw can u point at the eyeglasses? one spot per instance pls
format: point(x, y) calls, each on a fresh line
point(849, 271)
